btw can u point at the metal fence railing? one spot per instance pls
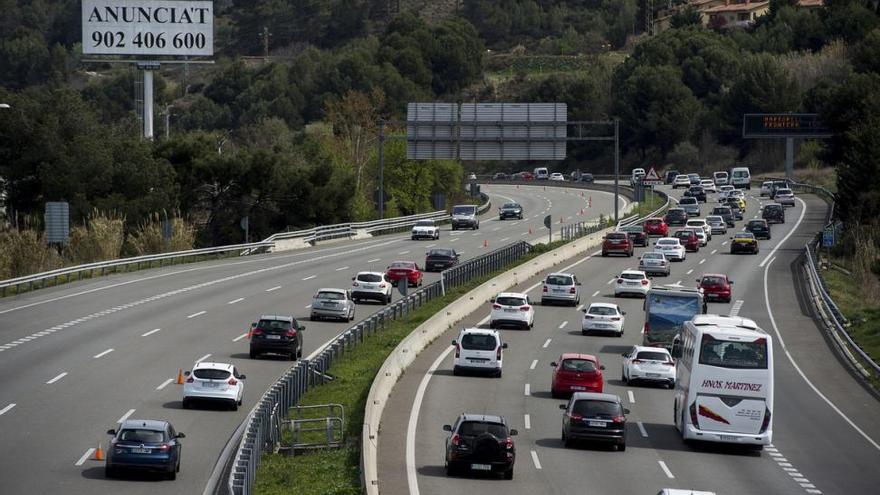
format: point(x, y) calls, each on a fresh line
point(265, 424)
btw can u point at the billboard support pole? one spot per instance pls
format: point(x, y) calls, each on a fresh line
point(616, 169)
point(381, 168)
point(789, 158)
point(148, 104)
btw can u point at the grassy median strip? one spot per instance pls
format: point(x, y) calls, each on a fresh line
point(862, 312)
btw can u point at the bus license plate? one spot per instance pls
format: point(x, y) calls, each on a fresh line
point(481, 467)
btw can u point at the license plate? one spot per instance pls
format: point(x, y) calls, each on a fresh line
point(211, 384)
point(577, 387)
point(141, 451)
point(728, 438)
point(602, 325)
point(653, 375)
point(598, 424)
point(329, 304)
point(510, 310)
point(558, 290)
point(481, 467)
point(477, 360)
point(273, 337)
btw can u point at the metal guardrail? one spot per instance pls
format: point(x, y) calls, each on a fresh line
point(264, 427)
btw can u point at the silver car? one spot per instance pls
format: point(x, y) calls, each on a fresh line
point(561, 287)
point(784, 197)
point(690, 205)
point(333, 303)
point(717, 224)
point(654, 263)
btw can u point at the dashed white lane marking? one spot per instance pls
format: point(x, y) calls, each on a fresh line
point(102, 354)
point(85, 457)
point(534, 363)
point(125, 416)
point(345, 267)
point(200, 313)
point(60, 376)
point(309, 277)
point(677, 283)
point(690, 271)
point(527, 422)
point(240, 299)
point(581, 307)
point(611, 281)
point(786, 466)
point(6, 409)
point(535, 460)
point(165, 384)
point(496, 229)
point(666, 470)
point(595, 293)
point(240, 337)
point(527, 390)
point(642, 429)
point(503, 239)
point(714, 251)
point(404, 252)
point(273, 289)
point(199, 360)
point(454, 240)
point(737, 305)
point(374, 260)
point(151, 332)
point(632, 398)
point(562, 325)
point(702, 261)
point(475, 234)
point(546, 344)
point(724, 243)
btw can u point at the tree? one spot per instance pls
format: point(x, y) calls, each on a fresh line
point(866, 54)
point(686, 17)
point(763, 87)
point(355, 120)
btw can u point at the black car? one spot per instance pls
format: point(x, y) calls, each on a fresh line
point(510, 210)
point(726, 213)
point(773, 213)
point(144, 444)
point(587, 178)
point(696, 192)
point(670, 176)
point(480, 442)
point(277, 334)
point(439, 259)
point(636, 234)
point(676, 216)
point(733, 203)
point(760, 228)
point(592, 416)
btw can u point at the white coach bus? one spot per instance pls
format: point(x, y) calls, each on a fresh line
point(724, 381)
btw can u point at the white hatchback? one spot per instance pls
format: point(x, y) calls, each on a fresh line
point(708, 185)
point(671, 247)
point(632, 282)
point(603, 317)
point(724, 191)
point(648, 364)
point(702, 224)
point(478, 350)
point(217, 382)
point(512, 309)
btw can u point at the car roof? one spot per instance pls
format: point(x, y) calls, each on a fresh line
point(633, 272)
point(489, 418)
point(405, 262)
point(647, 348)
point(723, 275)
point(560, 273)
point(603, 305)
point(512, 294)
point(371, 273)
point(144, 424)
point(202, 365)
point(668, 239)
point(729, 323)
point(277, 317)
point(696, 220)
point(576, 355)
point(595, 396)
point(481, 331)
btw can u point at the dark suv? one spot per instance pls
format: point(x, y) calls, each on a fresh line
point(277, 335)
point(726, 213)
point(480, 442)
point(773, 213)
point(676, 216)
point(592, 416)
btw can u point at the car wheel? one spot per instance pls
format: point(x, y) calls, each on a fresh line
point(234, 405)
point(623, 376)
point(388, 299)
point(491, 325)
point(451, 469)
point(498, 374)
point(455, 371)
point(109, 472)
point(292, 355)
point(620, 334)
point(185, 403)
point(172, 475)
point(508, 475)
point(313, 318)
point(621, 447)
point(567, 442)
point(253, 355)
point(604, 254)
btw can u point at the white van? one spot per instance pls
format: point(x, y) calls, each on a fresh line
point(724, 381)
point(720, 178)
point(478, 350)
point(541, 173)
point(740, 177)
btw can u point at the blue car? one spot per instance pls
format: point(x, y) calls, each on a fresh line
point(144, 444)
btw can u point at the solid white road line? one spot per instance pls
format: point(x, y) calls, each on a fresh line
point(343, 268)
point(272, 289)
point(690, 271)
point(85, 457)
point(562, 325)
point(199, 360)
point(165, 384)
point(374, 260)
point(6, 409)
point(535, 460)
point(546, 344)
point(642, 429)
point(527, 390)
point(792, 231)
point(798, 368)
point(62, 375)
point(534, 363)
point(632, 398)
point(102, 354)
point(200, 313)
point(527, 421)
point(666, 470)
point(595, 293)
point(151, 332)
point(125, 416)
point(309, 277)
point(240, 299)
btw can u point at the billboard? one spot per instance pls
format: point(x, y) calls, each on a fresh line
point(783, 125)
point(148, 28)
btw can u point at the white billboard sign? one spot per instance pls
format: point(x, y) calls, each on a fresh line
point(148, 27)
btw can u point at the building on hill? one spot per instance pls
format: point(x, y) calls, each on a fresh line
point(724, 13)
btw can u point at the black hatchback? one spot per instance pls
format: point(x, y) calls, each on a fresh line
point(593, 416)
point(759, 227)
point(480, 443)
point(439, 259)
point(676, 216)
point(773, 213)
point(277, 335)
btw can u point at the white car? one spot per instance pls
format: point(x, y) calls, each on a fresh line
point(648, 364)
point(720, 178)
point(478, 350)
point(632, 282)
point(557, 176)
point(654, 263)
point(701, 223)
point(215, 382)
point(723, 192)
point(512, 309)
point(603, 317)
point(671, 247)
point(370, 286)
point(701, 236)
point(708, 185)
point(717, 225)
point(681, 180)
point(784, 197)
point(425, 229)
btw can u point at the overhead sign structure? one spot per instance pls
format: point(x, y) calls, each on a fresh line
point(148, 27)
point(652, 179)
point(783, 125)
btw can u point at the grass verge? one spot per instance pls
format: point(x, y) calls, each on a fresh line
point(862, 312)
point(651, 203)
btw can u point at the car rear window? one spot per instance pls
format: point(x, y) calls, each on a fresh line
point(273, 326)
point(211, 374)
point(332, 295)
point(602, 311)
point(739, 355)
point(403, 265)
point(653, 356)
point(653, 221)
point(712, 281)
point(559, 280)
point(688, 201)
point(695, 223)
point(440, 252)
point(653, 256)
point(581, 365)
point(369, 277)
point(632, 276)
point(617, 235)
point(753, 224)
point(596, 408)
point(721, 211)
point(783, 191)
point(685, 234)
point(479, 342)
point(142, 436)
point(667, 242)
point(510, 205)
point(476, 428)
point(510, 301)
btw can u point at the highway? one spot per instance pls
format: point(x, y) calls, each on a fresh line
point(78, 358)
point(826, 425)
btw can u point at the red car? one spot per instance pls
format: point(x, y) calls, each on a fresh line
point(617, 242)
point(408, 270)
point(576, 373)
point(656, 226)
point(716, 286)
point(688, 239)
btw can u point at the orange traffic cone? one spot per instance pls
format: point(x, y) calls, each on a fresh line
point(582, 211)
point(485, 243)
point(179, 376)
point(590, 202)
point(530, 230)
point(99, 453)
point(582, 194)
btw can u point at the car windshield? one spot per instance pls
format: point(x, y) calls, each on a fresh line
point(632, 276)
point(602, 311)
point(475, 428)
point(581, 365)
point(403, 264)
point(211, 374)
point(739, 355)
point(440, 252)
point(783, 191)
point(740, 173)
point(596, 408)
point(273, 326)
point(479, 342)
point(425, 223)
point(654, 356)
point(721, 211)
point(712, 281)
point(463, 210)
point(559, 280)
point(510, 301)
point(369, 277)
point(141, 435)
point(331, 295)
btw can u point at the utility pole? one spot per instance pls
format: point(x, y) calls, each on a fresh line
point(381, 169)
point(616, 169)
point(265, 35)
point(168, 120)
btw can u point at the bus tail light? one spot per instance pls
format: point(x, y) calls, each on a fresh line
point(693, 410)
point(766, 423)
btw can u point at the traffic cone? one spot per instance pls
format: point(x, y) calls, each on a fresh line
point(530, 230)
point(590, 202)
point(99, 453)
point(179, 376)
point(582, 211)
point(485, 243)
point(582, 194)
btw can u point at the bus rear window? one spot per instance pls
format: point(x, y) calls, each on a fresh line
point(737, 355)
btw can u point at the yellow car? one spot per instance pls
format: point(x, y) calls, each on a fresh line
point(744, 242)
point(741, 199)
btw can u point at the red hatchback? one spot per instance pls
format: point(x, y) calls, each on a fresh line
point(404, 270)
point(656, 226)
point(716, 286)
point(688, 239)
point(576, 373)
point(617, 242)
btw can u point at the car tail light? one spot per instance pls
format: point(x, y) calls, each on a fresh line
point(637, 361)
point(644, 281)
point(164, 446)
point(766, 423)
point(615, 318)
point(381, 286)
point(456, 440)
point(589, 317)
point(693, 410)
point(544, 289)
point(190, 379)
point(113, 441)
point(457, 350)
point(354, 284)
point(525, 308)
point(620, 281)
point(619, 419)
point(509, 443)
point(646, 328)
point(315, 296)
point(498, 354)
point(571, 291)
point(574, 417)
point(496, 306)
point(290, 333)
point(232, 381)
